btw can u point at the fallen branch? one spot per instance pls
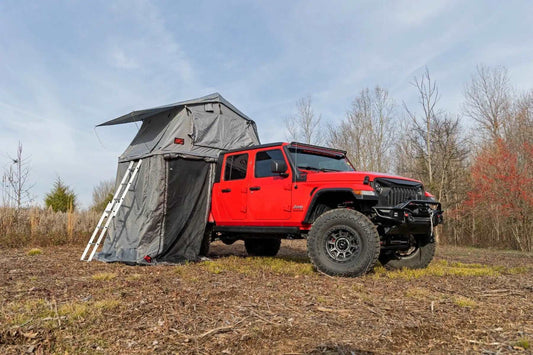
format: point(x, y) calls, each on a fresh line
point(263, 319)
point(57, 314)
point(369, 308)
point(500, 290)
point(501, 294)
point(477, 341)
point(334, 310)
point(218, 330)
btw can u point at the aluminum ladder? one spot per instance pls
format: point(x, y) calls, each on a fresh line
point(112, 209)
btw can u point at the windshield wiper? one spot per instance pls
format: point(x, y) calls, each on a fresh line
point(308, 168)
point(316, 169)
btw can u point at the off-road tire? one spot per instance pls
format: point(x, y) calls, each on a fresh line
point(343, 242)
point(419, 258)
point(262, 247)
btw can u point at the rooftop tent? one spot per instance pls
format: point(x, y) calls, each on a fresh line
point(164, 215)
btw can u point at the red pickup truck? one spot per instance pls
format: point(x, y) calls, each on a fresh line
point(350, 218)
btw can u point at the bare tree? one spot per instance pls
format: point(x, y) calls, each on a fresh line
point(518, 128)
point(428, 97)
point(102, 194)
point(488, 99)
point(15, 181)
point(367, 133)
point(449, 163)
point(498, 208)
point(304, 126)
point(450, 160)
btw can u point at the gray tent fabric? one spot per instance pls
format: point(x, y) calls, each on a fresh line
point(141, 115)
point(164, 215)
point(205, 133)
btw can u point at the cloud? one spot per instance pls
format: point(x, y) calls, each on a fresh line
point(123, 61)
point(410, 13)
point(69, 66)
point(55, 97)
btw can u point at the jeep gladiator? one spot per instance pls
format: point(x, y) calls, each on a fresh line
point(351, 219)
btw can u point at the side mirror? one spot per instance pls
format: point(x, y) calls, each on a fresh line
point(279, 167)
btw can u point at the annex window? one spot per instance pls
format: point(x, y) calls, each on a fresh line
point(263, 162)
point(235, 168)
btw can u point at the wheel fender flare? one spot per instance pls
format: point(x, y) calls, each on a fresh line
point(322, 192)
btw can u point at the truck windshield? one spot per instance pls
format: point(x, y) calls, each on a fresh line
point(310, 160)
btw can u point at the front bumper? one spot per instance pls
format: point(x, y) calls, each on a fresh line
point(410, 217)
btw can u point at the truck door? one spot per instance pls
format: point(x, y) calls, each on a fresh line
point(229, 195)
point(269, 195)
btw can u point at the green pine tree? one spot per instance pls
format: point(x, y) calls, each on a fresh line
point(61, 198)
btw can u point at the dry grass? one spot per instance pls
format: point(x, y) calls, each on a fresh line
point(249, 266)
point(523, 343)
point(42, 227)
point(254, 265)
point(34, 251)
point(73, 310)
point(107, 304)
point(55, 304)
point(444, 268)
point(462, 301)
point(420, 293)
point(104, 276)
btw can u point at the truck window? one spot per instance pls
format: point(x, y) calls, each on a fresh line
point(263, 162)
point(235, 168)
point(310, 160)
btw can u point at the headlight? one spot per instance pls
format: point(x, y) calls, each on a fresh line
point(378, 187)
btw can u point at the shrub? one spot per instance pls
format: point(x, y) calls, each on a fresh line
point(61, 198)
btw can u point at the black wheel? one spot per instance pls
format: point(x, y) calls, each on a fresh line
point(343, 242)
point(418, 256)
point(262, 247)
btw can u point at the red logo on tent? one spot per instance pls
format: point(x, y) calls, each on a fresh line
point(148, 259)
point(179, 141)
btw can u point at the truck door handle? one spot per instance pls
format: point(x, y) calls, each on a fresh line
point(225, 190)
point(255, 188)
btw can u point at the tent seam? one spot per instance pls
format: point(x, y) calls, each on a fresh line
point(165, 204)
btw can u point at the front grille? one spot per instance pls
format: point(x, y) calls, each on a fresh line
point(394, 191)
point(398, 195)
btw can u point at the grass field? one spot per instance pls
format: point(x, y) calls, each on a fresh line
point(468, 300)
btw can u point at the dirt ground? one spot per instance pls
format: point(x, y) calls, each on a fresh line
point(467, 301)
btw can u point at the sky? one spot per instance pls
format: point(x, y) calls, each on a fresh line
point(66, 66)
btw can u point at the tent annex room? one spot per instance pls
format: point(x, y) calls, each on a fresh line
point(164, 213)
